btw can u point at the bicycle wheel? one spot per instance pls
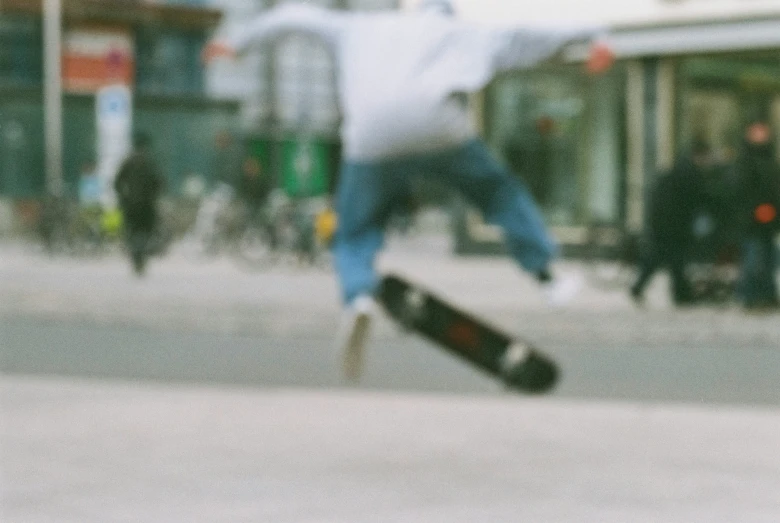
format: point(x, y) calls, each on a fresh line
point(255, 248)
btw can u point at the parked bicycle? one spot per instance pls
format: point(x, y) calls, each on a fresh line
point(302, 230)
point(66, 229)
point(283, 231)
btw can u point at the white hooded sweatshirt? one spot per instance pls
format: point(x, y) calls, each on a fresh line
point(403, 77)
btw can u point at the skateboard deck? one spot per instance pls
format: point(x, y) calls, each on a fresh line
point(515, 362)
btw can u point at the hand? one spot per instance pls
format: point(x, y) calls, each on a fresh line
point(600, 59)
point(216, 49)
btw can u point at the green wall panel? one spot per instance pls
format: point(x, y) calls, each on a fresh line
point(21, 147)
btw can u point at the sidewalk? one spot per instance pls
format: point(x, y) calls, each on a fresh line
point(183, 291)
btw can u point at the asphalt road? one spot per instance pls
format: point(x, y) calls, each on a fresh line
point(398, 361)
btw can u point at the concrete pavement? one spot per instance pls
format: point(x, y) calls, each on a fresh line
point(96, 451)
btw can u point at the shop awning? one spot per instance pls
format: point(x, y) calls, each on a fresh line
point(644, 27)
point(692, 38)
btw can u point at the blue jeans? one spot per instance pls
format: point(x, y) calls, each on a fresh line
point(757, 284)
point(369, 192)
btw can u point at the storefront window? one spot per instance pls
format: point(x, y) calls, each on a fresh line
point(168, 62)
point(21, 54)
point(717, 93)
point(562, 137)
point(305, 95)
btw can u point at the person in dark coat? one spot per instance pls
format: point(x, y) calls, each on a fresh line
point(138, 186)
point(254, 185)
point(756, 183)
point(675, 203)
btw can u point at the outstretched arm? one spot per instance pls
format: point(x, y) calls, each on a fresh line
point(325, 24)
point(521, 48)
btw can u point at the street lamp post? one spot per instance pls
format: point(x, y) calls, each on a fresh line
point(52, 94)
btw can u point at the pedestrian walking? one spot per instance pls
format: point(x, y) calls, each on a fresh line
point(138, 186)
point(676, 200)
point(756, 180)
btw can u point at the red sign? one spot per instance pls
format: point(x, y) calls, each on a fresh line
point(97, 56)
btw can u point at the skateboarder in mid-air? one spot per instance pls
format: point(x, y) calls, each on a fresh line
point(403, 82)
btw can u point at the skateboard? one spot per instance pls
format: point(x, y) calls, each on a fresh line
point(515, 362)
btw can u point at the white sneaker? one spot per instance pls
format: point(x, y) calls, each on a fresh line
point(562, 289)
point(353, 335)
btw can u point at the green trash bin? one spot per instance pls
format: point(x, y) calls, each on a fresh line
point(305, 166)
point(259, 148)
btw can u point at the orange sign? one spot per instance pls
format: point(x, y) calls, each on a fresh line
point(96, 56)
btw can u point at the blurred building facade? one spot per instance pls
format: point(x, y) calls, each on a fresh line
point(152, 47)
point(280, 98)
point(590, 147)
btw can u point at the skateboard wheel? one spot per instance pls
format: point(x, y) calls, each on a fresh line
point(534, 373)
point(414, 307)
point(514, 355)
